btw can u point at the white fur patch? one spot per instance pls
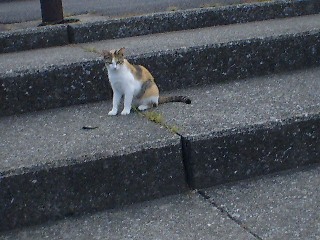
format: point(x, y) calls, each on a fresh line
point(122, 80)
point(124, 84)
point(143, 107)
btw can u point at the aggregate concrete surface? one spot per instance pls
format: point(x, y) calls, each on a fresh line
point(17, 11)
point(32, 38)
point(50, 167)
point(246, 128)
point(267, 101)
point(239, 103)
point(189, 19)
point(94, 28)
point(209, 35)
point(282, 206)
point(69, 77)
point(178, 217)
point(28, 139)
point(42, 58)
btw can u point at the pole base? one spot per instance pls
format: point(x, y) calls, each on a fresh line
point(64, 21)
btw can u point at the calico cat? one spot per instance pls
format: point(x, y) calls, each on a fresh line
point(135, 83)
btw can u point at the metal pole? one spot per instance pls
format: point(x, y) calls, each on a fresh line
point(52, 11)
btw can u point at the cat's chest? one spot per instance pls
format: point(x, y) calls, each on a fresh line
point(122, 79)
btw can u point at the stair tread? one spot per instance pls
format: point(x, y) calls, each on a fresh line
point(241, 103)
point(55, 138)
point(185, 216)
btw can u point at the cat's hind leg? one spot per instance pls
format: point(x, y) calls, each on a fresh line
point(148, 102)
point(143, 107)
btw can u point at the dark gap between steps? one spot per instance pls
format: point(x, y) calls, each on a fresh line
point(70, 34)
point(184, 151)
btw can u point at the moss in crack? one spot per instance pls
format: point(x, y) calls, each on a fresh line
point(157, 118)
point(91, 49)
point(172, 8)
point(211, 5)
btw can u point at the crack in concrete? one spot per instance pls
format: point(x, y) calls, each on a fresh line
point(183, 143)
point(185, 162)
point(206, 197)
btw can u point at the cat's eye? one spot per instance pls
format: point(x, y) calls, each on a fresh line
point(108, 60)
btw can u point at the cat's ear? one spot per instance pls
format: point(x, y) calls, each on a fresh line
point(121, 51)
point(106, 54)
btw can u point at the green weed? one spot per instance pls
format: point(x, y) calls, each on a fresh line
point(157, 118)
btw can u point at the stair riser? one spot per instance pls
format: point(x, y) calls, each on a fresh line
point(234, 60)
point(34, 38)
point(87, 82)
point(35, 197)
point(189, 19)
point(251, 152)
point(54, 87)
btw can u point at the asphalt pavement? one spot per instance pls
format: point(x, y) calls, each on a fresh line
point(28, 10)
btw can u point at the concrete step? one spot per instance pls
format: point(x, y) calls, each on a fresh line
point(94, 28)
point(249, 127)
point(181, 217)
point(62, 76)
point(51, 168)
point(251, 209)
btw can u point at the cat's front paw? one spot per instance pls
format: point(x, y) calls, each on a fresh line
point(125, 112)
point(112, 112)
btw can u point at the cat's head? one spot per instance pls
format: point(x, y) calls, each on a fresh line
point(114, 59)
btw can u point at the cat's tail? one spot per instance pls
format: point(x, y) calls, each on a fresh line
point(166, 99)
